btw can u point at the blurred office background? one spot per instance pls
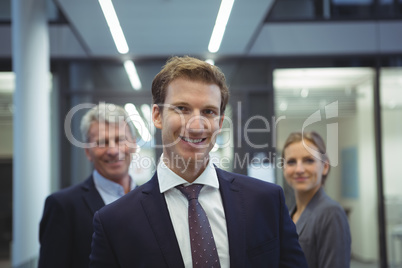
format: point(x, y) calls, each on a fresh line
point(334, 66)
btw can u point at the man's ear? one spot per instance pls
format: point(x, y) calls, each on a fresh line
point(157, 116)
point(221, 120)
point(87, 153)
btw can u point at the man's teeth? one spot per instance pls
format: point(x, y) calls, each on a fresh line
point(192, 140)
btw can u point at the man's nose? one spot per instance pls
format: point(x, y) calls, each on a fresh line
point(196, 123)
point(113, 148)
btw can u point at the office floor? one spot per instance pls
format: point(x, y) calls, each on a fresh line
point(354, 264)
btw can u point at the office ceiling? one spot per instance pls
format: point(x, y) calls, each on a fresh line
point(161, 28)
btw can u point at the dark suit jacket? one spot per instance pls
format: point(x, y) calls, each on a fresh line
point(136, 230)
point(324, 233)
point(66, 226)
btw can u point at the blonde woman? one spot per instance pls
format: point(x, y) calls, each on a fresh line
point(321, 222)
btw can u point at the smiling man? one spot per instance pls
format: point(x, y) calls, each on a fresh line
point(192, 214)
point(190, 119)
point(66, 226)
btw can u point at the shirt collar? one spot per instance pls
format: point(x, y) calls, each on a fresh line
point(110, 186)
point(168, 179)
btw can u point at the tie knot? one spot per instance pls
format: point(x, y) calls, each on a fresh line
point(190, 192)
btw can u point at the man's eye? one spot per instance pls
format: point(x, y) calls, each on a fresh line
point(209, 112)
point(102, 142)
point(121, 140)
point(180, 108)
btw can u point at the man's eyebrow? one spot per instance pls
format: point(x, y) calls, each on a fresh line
point(211, 107)
point(182, 103)
point(179, 103)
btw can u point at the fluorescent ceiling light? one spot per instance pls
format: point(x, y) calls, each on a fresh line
point(132, 74)
point(320, 78)
point(114, 26)
point(147, 113)
point(7, 82)
point(304, 93)
point(138, 122)
point(283, 106)
point(210, 61)
point(220, 25)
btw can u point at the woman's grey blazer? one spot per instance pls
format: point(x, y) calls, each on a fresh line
point(324, 233)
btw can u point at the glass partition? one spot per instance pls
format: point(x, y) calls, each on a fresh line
point(338, 104)
point(391, 116)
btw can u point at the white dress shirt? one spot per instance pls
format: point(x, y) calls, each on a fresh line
point(209, 198)
point(109, 190)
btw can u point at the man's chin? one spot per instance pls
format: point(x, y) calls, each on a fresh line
point(186, 158)
point(116, 174)
point(196, 159)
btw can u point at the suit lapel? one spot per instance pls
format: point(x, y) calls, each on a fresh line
point(233, 205)
point(91, 196)
point(155, 207)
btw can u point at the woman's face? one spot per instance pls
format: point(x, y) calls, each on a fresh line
point(302, 171)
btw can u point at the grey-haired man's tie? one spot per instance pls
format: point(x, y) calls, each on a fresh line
point(203, 248)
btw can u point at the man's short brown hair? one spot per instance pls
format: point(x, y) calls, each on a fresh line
point(192, 69)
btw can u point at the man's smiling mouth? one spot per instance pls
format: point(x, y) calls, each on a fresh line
point(112, 161)
point(192, 140)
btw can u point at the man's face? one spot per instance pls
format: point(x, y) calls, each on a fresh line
point(112, 155)
point(190, 120)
